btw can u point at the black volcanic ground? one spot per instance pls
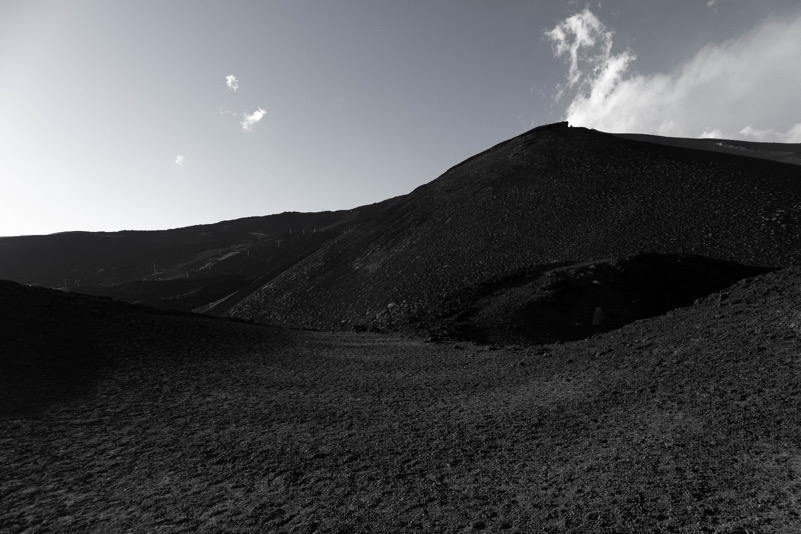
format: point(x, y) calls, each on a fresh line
point(569, 332)
point(145, 421)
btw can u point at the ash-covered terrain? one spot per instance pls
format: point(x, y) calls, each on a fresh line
point(128, 419)
point(569, 332)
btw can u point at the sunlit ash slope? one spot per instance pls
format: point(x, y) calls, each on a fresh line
point(553, 194)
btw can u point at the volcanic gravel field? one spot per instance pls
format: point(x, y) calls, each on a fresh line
point(687, 422)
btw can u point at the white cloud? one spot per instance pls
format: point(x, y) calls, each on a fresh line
point(713, 134)
point(224, 111)
point(587, 43)
point(711, 5)
point(179, 160)
point(744, 88)
point(250, 120)
point(232, 82)
point(792, 135)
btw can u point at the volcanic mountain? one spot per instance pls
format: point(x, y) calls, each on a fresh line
point(553, 204)
point(555, 194)
point(558, 244)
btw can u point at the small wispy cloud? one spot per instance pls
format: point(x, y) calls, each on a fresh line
point(712, 5)
point(750, 74)
point(712, 133)
point(249, 121)
point(232, 82)
point(179, 160)
point(224, 111)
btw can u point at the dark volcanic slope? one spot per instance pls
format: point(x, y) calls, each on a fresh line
point(688, 423)
point(782, 152)
point(183, 269)
point(567, 302)
point(553, 194)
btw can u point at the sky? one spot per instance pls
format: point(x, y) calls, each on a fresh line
point(154, 114)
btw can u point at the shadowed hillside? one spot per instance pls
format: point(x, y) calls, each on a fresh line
point(567, 302)
point(781, 152)
point(554, 194)
point(184, 269)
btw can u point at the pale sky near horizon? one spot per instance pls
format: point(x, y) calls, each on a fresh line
point(154, 114)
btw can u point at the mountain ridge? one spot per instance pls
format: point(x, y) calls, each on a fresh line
point(551, 194)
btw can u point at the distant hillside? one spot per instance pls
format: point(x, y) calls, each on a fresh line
point(184, 269)
point(553, 194)
point(781, 152)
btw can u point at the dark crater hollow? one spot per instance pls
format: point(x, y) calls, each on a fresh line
point(571, 301)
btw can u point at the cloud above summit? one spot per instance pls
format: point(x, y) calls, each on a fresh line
point(231, 82)
point(586, 44)
point(744, 88)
